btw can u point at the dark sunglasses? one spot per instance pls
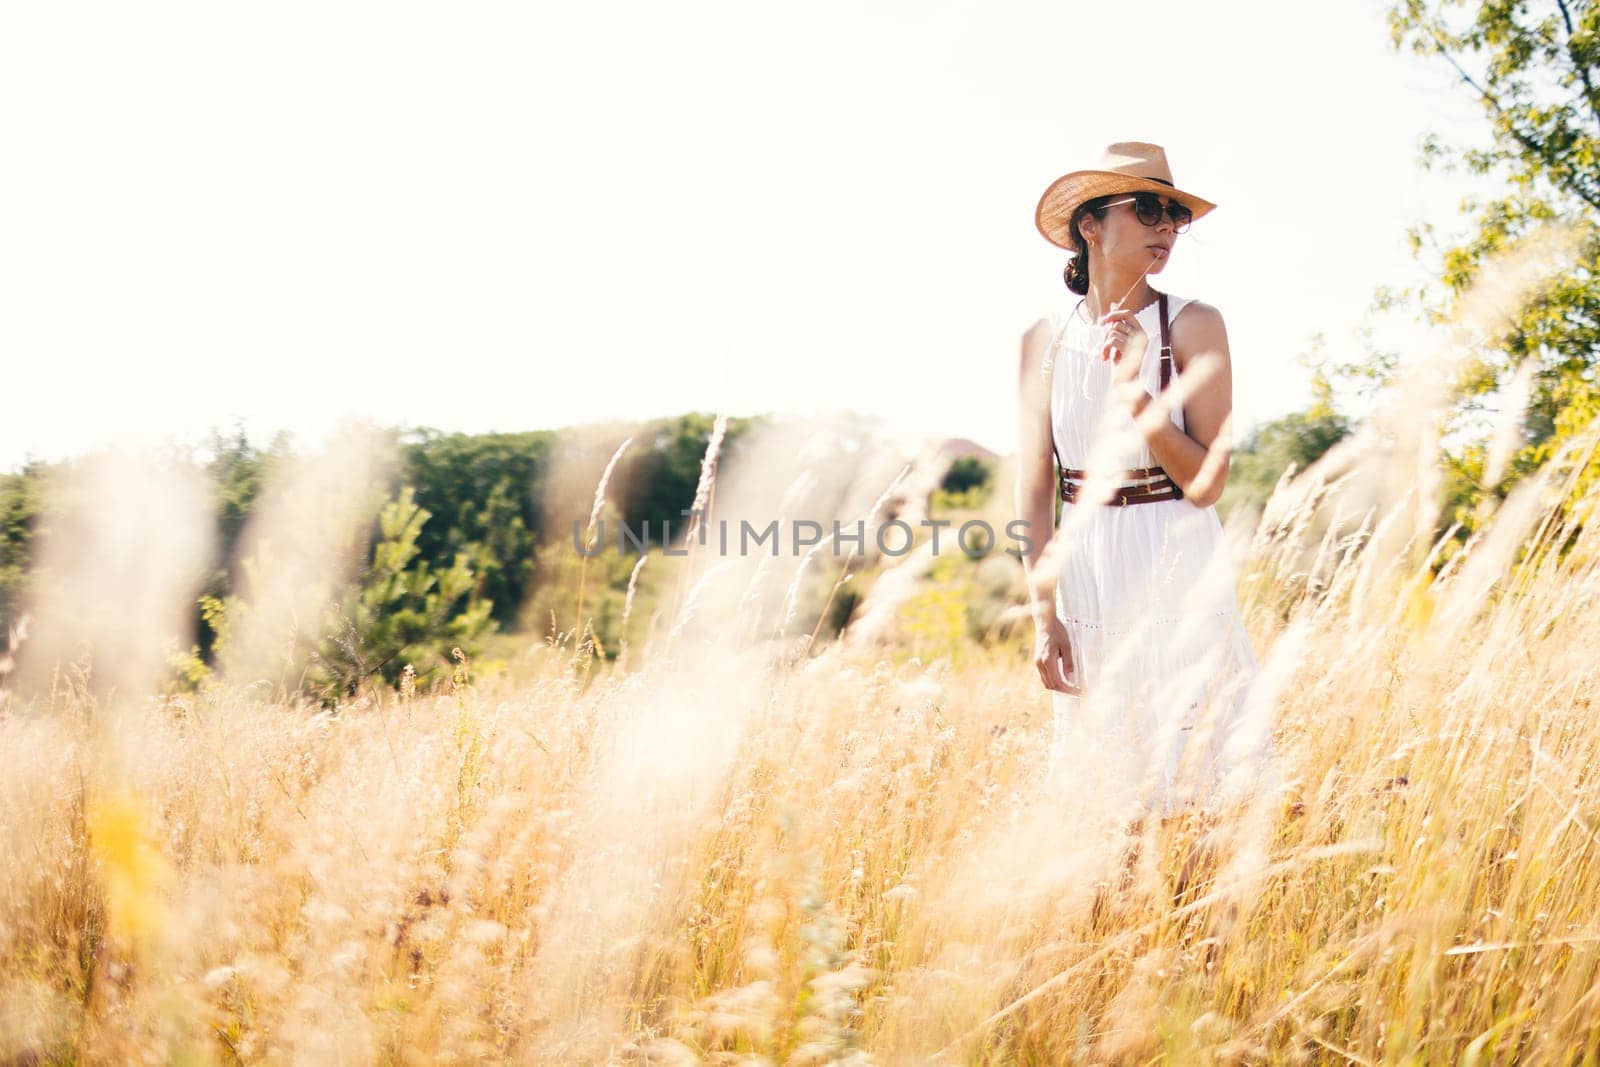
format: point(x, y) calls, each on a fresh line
point(1147, 208)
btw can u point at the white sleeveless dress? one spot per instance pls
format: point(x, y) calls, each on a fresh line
point(1147, 595)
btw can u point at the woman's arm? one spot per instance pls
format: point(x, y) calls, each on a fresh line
point(1036, 505)
point(1198, 460)
point(1036, 494)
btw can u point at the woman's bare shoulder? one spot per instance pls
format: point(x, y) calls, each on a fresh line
point(1197, 310)
point(1038, 333)
point(1197, 327)
point(1035, 339)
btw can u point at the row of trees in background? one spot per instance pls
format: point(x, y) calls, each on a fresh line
point(460, 547)
point(467, 544)
point(453, 555)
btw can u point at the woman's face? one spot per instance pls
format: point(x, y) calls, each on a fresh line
point(1125, 242)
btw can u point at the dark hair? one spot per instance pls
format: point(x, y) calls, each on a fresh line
point(1077, 270)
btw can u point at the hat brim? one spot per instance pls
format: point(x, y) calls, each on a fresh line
point(1053, 216)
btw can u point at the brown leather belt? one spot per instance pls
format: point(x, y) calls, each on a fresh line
point(1148, 484)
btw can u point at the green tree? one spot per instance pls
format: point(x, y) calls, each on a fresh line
point(484, 492)
point(403, 611)
point(966, 472)
point(22, 505)
point(1534, 66)
point(236, 470)
point(967, 485)
point(663, 476)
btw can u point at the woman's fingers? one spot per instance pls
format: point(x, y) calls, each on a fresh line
point(1115, 338)
point(1069, 674)
point(1058, 675)
point(1053, 658)
point(1119, 324)
point(1067, 684)
point(1113, 346)
point(1119, 315)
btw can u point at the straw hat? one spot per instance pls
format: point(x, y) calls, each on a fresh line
point(1124, 167)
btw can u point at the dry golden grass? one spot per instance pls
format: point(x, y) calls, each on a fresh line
point(850, 862)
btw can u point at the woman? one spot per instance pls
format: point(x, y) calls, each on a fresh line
point(1143, 648)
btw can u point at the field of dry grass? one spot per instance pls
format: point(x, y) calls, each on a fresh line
point(717, 854)
point(847, 860)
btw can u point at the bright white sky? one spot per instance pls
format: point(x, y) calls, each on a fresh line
point(518, 216)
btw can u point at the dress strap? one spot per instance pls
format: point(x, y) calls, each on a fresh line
point(1166, 345)
point(1168, 363)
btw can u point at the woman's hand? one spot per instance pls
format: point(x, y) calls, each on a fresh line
point(1123, 335)
point(1052, 654)
point(1126, 382)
